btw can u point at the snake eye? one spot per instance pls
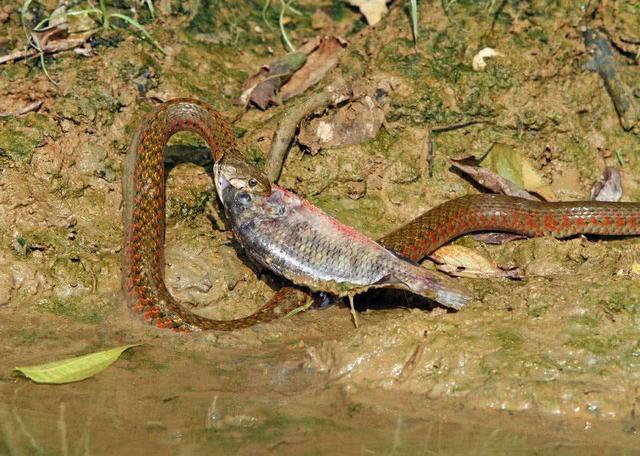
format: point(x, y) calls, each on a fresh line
point(253, 182)
point(243, 198)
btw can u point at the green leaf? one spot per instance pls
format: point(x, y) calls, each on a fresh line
point(73, 369)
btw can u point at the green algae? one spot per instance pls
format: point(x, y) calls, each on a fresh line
point(383, 143)
point(85, 310)
point(19, 136)
point(509, 339)
point(186, 208)
point(365, 214)
point(96, 107)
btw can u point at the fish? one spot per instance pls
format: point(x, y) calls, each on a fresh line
point(288, 235)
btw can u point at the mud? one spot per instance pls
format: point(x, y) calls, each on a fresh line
point(548, 363)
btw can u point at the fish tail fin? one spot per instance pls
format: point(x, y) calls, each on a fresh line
point(432, 285)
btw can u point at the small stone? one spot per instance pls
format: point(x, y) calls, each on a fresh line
point(356, 190)
point(6, 287)
point(91, 158)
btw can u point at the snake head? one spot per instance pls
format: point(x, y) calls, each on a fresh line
point(240, 175)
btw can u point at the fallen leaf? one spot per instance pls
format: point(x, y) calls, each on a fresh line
point(478, 63)
point(319, 61)
point(469, 165)
point(354, 123)
point(511, 164)
point(608, 187)
point(461, 261)
point(497, 238)
point(261, 88)
point(34, 106)
point(56, 32)
point(373, 10)
point(73, 369)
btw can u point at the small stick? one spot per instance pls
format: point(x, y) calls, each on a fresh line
point(332, 94)
point(24, 110)
point(50, 48)
point(354, 315)
point(430, 154)
point(456, 126)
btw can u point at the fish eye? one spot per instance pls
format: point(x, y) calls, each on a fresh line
point(243, 198)
point(253, 182)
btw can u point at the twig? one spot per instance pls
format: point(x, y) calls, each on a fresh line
point(603, 62)
point(352, 308)
point(430, 154)
point(24, 110)
point(496, 15)
point(332, 94)
point(50, 48)
point(456, 126)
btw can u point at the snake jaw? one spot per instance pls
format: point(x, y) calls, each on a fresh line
point(220, 181)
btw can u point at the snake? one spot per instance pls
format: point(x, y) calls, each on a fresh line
point(142, 256)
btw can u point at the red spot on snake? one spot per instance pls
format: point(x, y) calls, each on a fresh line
point(549, 223)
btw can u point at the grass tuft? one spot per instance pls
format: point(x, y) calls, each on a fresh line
point(103, 16)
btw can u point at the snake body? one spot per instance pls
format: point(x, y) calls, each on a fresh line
point(144, 220)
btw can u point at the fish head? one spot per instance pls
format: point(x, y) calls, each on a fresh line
point(246, 194)
point(241, 175)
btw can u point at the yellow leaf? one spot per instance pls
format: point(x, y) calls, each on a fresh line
point(73, 369)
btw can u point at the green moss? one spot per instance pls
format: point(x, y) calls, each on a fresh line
point(508, 338)
point(365, 214)
point(577, 151)
point(635, 350)
point(98, 107)
point(354, 409)
point(189, 208)
point(256, 157)
point(20, 135)
point(15, 72)
point(232, 25)
point(620, 302)
point(338, 11)
point(75, 309)
point(382, 144)
point(594, 344)
point(538, 34)
point(209, 83)
point(424, 106)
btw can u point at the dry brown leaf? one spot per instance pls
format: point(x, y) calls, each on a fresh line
point(354, 123)
point(469, 165)
point(509, 163)
point(479, 63)
point(319, 61)
point(373, 10)
point(461, 261)
point(497, 238)
point(608, 186)
point(261, 88)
